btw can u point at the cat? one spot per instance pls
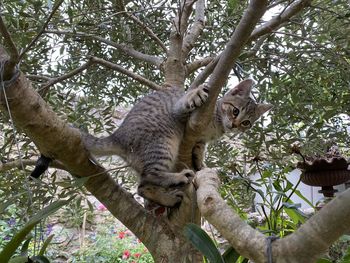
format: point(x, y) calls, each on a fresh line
point(150, 135)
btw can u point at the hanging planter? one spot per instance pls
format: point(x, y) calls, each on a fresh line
point(325, 172)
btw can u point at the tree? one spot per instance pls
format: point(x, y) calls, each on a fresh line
point(137, 45)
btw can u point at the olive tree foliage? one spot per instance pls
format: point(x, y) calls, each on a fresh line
point(89, 59)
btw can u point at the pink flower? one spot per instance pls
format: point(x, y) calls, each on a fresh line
point(121, 234)
point(126, 254)
point(137, 255)
point(101, 207)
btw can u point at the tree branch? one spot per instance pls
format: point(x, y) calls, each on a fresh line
point(193, 66)
point(42, 30)
point(196, 29)
point(268, 27)
point(279, 20)
point(105, 63)
point(14, 55)
point(57, 140)
point(305, 245)
point(147, 30)
point(120, 69)
point(27, 162)
point(126, 49)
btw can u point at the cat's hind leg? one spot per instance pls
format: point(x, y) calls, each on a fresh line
point(164, 188)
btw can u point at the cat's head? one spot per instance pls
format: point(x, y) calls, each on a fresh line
point(239, 110)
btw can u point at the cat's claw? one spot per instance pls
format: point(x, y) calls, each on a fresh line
point(198, 97)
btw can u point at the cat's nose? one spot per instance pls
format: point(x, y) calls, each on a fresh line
point(233, 125)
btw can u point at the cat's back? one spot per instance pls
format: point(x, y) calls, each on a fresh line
point(152, 117)
point(155, 108)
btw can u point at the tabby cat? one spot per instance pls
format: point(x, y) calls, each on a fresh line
point(150, 135)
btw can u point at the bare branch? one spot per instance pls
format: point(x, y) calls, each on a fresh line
point(148, 31)
point(193, 66)
point(42, 29)
point(100, 61)
point(126, 49)
point(278, 21)
point(68, 75)
point(205, 73)
point(27, 162)
point(120, 69)
point(196, 29)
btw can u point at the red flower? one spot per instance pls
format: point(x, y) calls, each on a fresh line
point(126, 254)
point(137, 255)
point(121, 234)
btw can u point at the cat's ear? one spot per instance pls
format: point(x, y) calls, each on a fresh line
point(243, 88)
point(262, 108)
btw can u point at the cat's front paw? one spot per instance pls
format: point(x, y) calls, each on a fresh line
point(198, 97)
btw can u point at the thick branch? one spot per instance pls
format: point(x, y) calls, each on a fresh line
point(305, 245)
point(200, 118)
point(196, 29)
point(56, 139)
point(247, 241)
point(126, 49)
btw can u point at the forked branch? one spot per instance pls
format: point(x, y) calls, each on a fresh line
point(304, 246)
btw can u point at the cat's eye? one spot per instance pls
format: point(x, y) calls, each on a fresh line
point(246, 123)
point(235, 111)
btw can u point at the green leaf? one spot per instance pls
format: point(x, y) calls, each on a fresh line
point(323, 260)
point(24, 249)
point(18, 238)
point(346, 257)
point(45, 245)
point(200, 239)
point(296, 215)
point(20, 259)
point(230, 255)
point(40, 259)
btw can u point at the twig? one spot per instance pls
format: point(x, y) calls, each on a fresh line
point(126, 49)
point(27, 162)
point(100, 61)
point(193, 66)
point(68, 75)
point(133, 75)
point(42, 29)
point(148, 31)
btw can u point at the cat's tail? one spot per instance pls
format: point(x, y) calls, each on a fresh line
point(103, 146)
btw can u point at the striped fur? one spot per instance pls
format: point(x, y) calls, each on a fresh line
point(150, 135)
